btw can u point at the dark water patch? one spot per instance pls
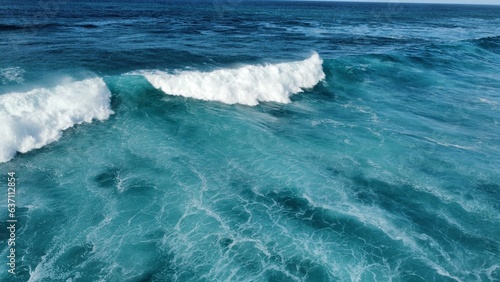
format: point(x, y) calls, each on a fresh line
point(4, 232)
point(276, 276)
point(321, 91)
point(421, 61)
point(28, 27)
point(400, 200)
point(73, 257)
point(308, 270)
point(495, 275)
point(291, 36)
point(369, 191)
point(375, 41)
point(189, 31)
point(490, 43)
point(145, 277)
point(90, 26)
point(115, 103)
point(186, 275)
point(125, 176)
point(295, 23)
point(108, 178)
point(225, 242)
point(319, 218)
point(162, 30)
point(164, 270)
point(334, 171)
point(9, 27)
point(489, 189)
point(280, 111)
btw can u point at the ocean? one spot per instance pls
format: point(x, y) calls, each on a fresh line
point(229, 140)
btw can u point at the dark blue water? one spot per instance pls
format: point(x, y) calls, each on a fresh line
point(251, 141)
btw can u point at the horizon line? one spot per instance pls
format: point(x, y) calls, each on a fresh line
point(395, 2)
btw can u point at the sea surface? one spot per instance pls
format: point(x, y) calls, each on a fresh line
point(250, 141)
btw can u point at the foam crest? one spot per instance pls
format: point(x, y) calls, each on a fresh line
point(246, 85)
point(36, 118)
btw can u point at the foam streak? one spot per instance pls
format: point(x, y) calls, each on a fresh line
point(36, 118)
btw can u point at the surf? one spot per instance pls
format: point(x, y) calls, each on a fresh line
point(36, 118)
point(247, 85)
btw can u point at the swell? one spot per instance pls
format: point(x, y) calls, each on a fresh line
point(487, 38)
point(491, 43)
point(16, 27)
point(34, 27)
point(354, 40)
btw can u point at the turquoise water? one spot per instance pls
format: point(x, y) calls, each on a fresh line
point(245, 141)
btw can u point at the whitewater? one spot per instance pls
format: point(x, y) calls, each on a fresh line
point(36, 118)
point(246, 85)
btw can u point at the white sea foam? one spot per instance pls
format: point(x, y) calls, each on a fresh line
point(36, 118)
point(14, 74)
point(246, 85)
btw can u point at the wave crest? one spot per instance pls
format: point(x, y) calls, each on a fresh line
point(247, 85)
point(36, 118)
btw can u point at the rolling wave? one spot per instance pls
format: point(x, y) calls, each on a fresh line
point(36, 118)
point(247, 85)
point(491, 43)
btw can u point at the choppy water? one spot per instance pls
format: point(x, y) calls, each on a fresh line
point(245, 141)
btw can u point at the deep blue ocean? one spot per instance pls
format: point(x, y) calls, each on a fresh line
point(225, 140)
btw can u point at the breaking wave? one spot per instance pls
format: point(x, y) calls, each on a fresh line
point(36, 118)
point(246, 85)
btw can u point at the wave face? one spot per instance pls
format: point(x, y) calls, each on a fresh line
point(247, 85)
point(36, 118)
